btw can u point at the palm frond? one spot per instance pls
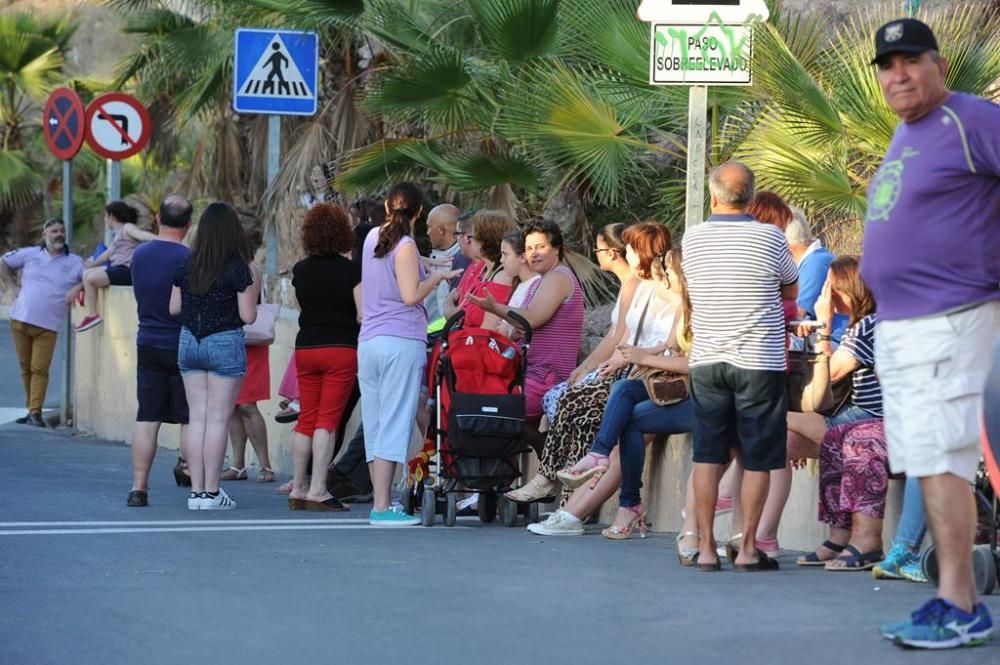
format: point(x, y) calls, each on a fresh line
point(435, 86)
point(517, 30)
point(20, 181)
point(373, 168)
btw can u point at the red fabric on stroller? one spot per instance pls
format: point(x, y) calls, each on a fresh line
point(476, 361)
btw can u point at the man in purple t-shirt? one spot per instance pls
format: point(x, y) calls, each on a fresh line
point(932, 259)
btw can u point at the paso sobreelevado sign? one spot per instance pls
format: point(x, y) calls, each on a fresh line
point(702, 43)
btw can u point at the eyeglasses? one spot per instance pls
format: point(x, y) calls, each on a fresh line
point(51, 222)
point(598, 250)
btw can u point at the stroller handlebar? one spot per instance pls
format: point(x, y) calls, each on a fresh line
point(455, 321)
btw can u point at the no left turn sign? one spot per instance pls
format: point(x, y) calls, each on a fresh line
point(117, 125)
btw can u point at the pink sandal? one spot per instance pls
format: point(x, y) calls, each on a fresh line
point(592, 466)
point(619, 532)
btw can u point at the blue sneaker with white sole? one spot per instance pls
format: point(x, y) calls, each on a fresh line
point(899, 556)
point(939, 624)
point(914, 572)
point(391, 518)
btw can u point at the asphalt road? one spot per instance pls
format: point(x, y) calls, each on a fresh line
point(84, 579)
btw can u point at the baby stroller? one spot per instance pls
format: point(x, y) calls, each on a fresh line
point(477, 436)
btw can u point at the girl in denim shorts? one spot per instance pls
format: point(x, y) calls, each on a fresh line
point(215, 293)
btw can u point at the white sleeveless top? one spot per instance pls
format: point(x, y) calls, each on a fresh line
point(659, 319)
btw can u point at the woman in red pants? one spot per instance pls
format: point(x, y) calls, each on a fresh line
point(327, 287)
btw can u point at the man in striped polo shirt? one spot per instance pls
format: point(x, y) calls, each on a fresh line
point(738, 270)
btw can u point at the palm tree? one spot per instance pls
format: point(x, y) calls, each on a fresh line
point(31, 58)
point(817, 126)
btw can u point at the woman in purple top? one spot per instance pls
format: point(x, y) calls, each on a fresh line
point(392, 344)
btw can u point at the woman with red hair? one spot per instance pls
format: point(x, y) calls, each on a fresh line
point(327, 287)
point(647, 323)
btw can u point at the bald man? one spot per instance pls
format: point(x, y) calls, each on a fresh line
point(441, 225)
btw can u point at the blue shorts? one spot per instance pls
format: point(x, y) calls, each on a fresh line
point(849, 413)
point(222, 354)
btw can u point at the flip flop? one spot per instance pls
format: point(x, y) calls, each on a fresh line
point(812, 559)
point(705, 567)
point(330, 505)
point(857, 561)
point(764, 564)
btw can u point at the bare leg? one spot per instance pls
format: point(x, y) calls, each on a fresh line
point(774, 506)
point(586, 500)
point(736, 487)
point(951, 516)
point(322, 454)
point(691, 515)
point(196, 389)
point(256, 429)
point(301, 452)
point(706, 491)
point(238, 439)
point(382, 472)
point(143, 452)
point(221, 394)
point(752, 495)
point(94, 279)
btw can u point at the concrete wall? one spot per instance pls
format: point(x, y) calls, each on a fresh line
point(104, 384)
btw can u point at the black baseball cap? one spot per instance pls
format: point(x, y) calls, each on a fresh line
point(905, 35)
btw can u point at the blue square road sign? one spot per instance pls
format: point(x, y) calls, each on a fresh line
point(275, 72)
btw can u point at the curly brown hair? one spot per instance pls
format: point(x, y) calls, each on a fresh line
point(489, 227)
point(326, 231)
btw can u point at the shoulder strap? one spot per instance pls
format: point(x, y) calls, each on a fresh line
point(642, 317)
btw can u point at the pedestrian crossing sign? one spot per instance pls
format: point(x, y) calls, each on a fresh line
point(274, 72)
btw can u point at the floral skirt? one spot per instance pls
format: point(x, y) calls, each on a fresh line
point(853, 472)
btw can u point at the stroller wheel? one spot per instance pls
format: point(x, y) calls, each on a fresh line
point(508, 512)
point(984, 566)
point(428, 505)
point(532, 515)
point(409, 500)
point(928, 561)
point(451, 511)
point(487, 507)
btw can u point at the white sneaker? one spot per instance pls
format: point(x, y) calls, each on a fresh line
point(194, 501)
point(559, 523)
point(219, 502)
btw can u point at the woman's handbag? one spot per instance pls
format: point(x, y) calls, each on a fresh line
point(664, 388)
point(810, 389)
point(261, 331)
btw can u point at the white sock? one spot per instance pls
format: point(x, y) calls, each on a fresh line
point(294, 405)
point(570, 517)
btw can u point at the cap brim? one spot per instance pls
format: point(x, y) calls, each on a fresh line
point(912, 49)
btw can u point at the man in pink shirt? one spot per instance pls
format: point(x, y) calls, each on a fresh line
point(50, 280)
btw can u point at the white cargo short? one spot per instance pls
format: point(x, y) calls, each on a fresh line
point(933, 371)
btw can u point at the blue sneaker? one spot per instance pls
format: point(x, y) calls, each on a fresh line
point(913, 572)
point(889, 567)
point(941, 625)
point(391, 518)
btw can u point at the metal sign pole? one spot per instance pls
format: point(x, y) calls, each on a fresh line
point(65, 403)
point(694, 210)
point(273, 165)
point(114, 191)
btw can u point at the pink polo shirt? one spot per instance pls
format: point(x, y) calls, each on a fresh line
point(45, 280)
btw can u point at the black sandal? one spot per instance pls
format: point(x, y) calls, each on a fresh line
point(812, 559)
point(764, 563)
point(705, 567)
point(857, 561)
